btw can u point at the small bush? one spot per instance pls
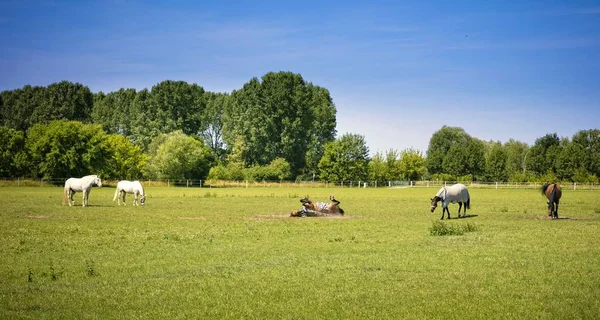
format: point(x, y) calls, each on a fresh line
point(440, 228)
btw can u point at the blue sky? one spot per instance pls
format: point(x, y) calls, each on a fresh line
point(397, 70)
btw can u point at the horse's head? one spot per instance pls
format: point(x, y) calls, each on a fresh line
point(434, 202)
point(143, 199)
point(98, 182)
point(296, 213)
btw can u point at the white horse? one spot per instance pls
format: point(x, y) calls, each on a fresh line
point(452, 194)
point(84, 185)
point(124, 187)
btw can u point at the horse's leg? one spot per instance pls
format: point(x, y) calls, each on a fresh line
point(459, 207)
point(124, 195)
point(556, 211)
point(84, 198)
point(70, 198)
point(135, 196)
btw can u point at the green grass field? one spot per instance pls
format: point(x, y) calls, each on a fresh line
point(195, 253)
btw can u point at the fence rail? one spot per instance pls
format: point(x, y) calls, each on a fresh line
point(191, 183)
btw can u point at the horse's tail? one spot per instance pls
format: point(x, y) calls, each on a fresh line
point(552, 197)
point(116, 194)
point(544, 188)
point(65, 191)
point(468, 204)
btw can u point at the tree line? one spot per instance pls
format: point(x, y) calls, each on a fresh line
point(278, 127)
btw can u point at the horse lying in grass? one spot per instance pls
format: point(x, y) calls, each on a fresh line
point(132, 187)
point(553, 193)
point(452, 194)
point(318, 209)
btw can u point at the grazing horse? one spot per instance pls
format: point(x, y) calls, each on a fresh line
point(319, 209)
point(452, 194)
point(553, 193)
point(83, 184)
point(133, 187)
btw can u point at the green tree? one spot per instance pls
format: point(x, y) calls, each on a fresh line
point(475, 159)
point(13, 156)
point(377, 168)
point(212, 122)
point(393, 165)
point(113, 110)
point(62, 149)
point(64, 101)
point(412, 164)
point(175, 105)
point(280, 169)
point(180, 156)
point(543, 153)
point(495, 166)
point(515, 157)
point(126, 161)
point(439, 150)
point(455, 161)
point(277, 117)
point(144, 126)
point(18, 106)
point(345, 159)
point(570, 159)
point(322, 127)
point(589, 141)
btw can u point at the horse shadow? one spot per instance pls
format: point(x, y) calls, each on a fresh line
point(468, 216)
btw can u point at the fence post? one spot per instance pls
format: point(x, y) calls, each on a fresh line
point(496, 185)
point(574, 185)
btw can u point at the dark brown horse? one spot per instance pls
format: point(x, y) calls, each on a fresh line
point(318, 209)
point(553, 192)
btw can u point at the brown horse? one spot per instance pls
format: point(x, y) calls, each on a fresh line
point(319, 209)
point(553, 192)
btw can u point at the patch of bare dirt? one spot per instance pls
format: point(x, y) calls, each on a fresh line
point(191, 218)
point(282, 216)
point(37, 217)
point(269, 217)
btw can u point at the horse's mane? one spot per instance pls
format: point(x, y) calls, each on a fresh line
point(544, 188)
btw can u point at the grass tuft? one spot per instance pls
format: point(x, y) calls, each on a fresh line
point(440, 228)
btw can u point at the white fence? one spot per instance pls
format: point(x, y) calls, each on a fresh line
point(189, 183)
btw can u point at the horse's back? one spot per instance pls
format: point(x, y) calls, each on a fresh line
point(458, 193)
point(75, 184)
point(553, 189)
point(130, 186)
